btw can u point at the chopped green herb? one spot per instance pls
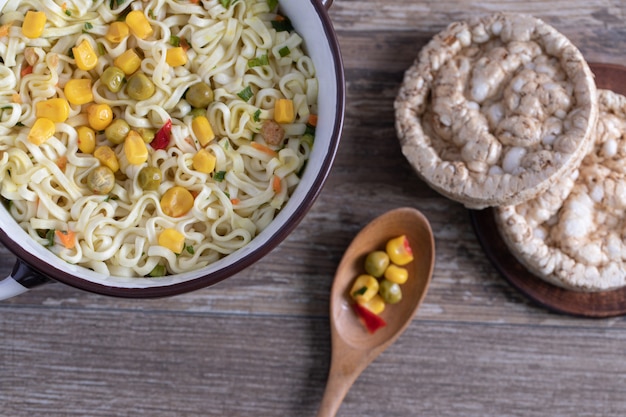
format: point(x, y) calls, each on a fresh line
point(158, 271)
point(67, 12)
point(174, 40)
point(258, 61)
point(190, 249)
point(308, 139)
point(225, 3)
point(245, 94)
point(101, 49)
point(282, 24)
point(360, 291)
point(151, 14)
point(20, 124)
point(50, 237)
point(256, 115)
point(88, 26)
point(272, 4)
point(284, 51)
point(227, 194)
point(114, 3)
point(219, 176)
point(309, 130)
point(6, 107)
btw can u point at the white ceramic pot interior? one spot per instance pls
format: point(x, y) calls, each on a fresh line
point(304, 16)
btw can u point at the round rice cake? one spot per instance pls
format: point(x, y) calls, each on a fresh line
point(495, 109)
point(573, 235)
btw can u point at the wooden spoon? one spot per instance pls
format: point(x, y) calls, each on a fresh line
point(353, 347)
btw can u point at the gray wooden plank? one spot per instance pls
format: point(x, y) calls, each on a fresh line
point(172, 363)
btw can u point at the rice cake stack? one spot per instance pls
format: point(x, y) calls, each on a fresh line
point(495, 109)
point(573, 235)
point(503, 111)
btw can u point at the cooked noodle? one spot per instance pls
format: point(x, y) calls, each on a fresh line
point(117, 233)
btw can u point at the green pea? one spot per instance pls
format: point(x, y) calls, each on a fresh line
point(140, 87)
point(146, 134)
point(101, 180)
point(149, 178)
point(390, 291)
point(197, 112)
point(376, 262)
point(117, 131)
point(199, 95)
point(113, 78)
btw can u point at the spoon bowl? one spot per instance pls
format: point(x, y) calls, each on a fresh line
point(353, 347)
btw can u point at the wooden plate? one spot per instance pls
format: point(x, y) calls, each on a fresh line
point(597, 304)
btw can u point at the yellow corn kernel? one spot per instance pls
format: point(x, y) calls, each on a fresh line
point(78, 91)
point(128, 61)
point(177, 201)
point(86, 58)
point(203, 130)
point(42, 130)
point(173, 240)
point(139, 24)
point(283, 111)
point(176, 57)
point(365, 287)
point(376, 304)
point(55, 109)
point(118, 31)
point(86, 139)
point(397, 274)
point(135, 148)
point(204, 161)
point(99, 116)
point(107, 157)
point(399, 250)
point(34, 23)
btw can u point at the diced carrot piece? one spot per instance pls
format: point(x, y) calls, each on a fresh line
point(276, 184)
point(67, 238)
point(28, 69)
point(4, 29)
point(184, 44)
point(62, 163)
point(263, 148)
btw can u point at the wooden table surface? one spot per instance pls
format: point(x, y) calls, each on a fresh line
point(258, 343)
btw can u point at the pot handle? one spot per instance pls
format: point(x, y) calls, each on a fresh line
point(22, 279)
point(326, 3)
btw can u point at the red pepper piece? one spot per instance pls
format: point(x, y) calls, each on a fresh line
point(371, 321)
point(163, 135)
point(407, 246)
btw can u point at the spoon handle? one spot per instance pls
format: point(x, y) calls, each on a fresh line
point(346, 364)
point(337, 387)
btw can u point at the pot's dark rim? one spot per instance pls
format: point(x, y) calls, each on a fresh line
point(65, 277)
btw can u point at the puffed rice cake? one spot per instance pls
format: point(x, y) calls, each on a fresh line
point(573, 235)
point(494, 110)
